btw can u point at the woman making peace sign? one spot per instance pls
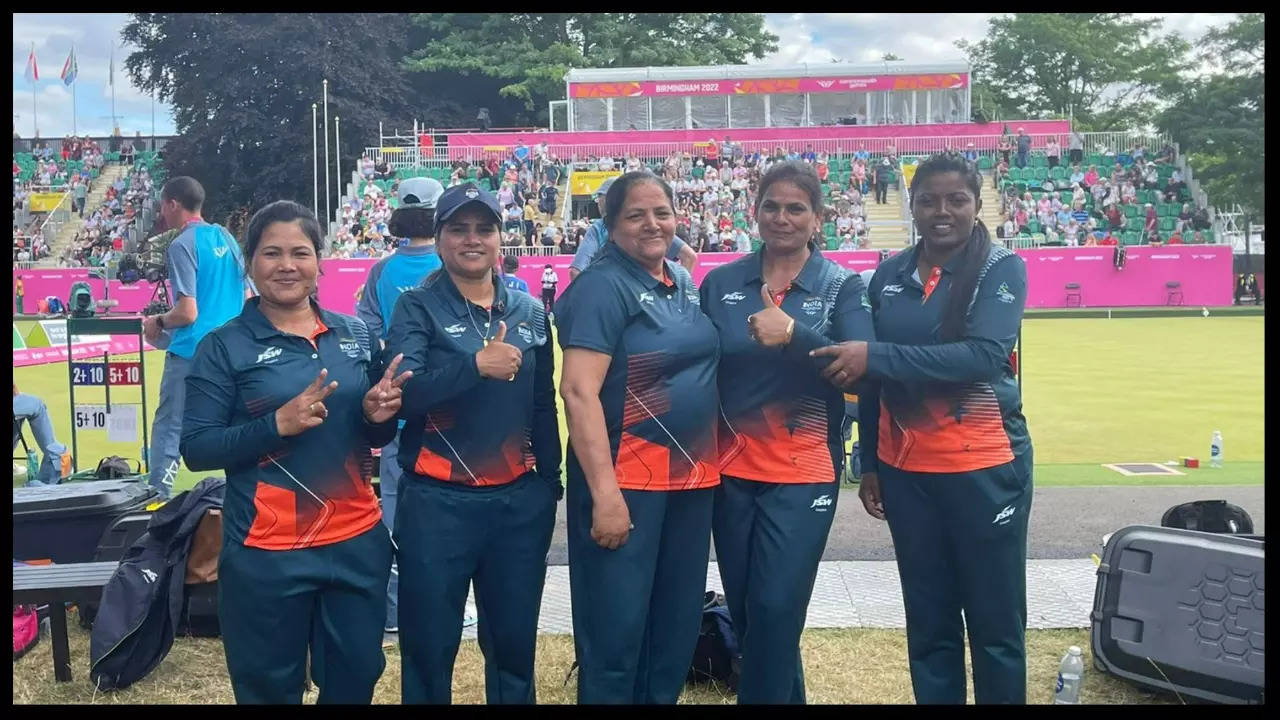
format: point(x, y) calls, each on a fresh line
point(287, 399)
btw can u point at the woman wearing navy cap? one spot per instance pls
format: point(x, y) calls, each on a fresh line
point(639, 388)
point(288, 398)
point(481, 453)
point(781, 429)
point(946, 456)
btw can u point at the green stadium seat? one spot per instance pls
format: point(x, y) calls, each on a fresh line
point(1166, 224)
point(1059, 173)
point(829, 229)
point(1065, 197)
point(1039, 174)
point(1033, 226)
point(1131, 238)
point(985, 162)
point(833, 243)
point(1130, 211)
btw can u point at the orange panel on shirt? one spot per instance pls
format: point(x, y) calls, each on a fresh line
point(274, 514)
point(935, 441)
point(432, 465)
point(642, 465)
point(789, 447)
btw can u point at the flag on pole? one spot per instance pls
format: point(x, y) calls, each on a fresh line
point(33, 72)
point(70, 68)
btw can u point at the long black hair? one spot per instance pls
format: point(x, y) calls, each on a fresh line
point(976, 249)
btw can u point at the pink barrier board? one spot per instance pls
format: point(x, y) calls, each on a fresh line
point(42, 356)
point(1203, 271)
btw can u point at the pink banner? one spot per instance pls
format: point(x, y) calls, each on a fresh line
point(42, 356)
point(40, 283)
point(839, 137)
point(761, 86)
point(1203, 271)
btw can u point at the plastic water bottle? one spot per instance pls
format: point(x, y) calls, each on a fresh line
point(1070, 677)
point(1215, 449)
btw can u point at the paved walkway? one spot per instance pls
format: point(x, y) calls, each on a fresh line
point(867, 594)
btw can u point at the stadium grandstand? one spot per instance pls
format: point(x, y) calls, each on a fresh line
point(712, 131)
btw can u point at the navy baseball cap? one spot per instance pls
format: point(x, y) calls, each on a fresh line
point(604, 187)
point(460, 196)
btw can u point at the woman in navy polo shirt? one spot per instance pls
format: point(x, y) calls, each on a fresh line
point(287, 399)
point(639, 388)
point(950, 465)
point(781, 439)
point(481, 453)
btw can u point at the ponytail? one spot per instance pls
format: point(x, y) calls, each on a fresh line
point(965, 283)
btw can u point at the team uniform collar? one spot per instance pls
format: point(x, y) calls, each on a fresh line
point(262, 328)
point(806, 279)
point(457, 302)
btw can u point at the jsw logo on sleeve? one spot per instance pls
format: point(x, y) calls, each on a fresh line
point(456, 329)
point(269, 355)
point(821, 504)
point(1002, 517)
point(733, 298)
point(889, 290)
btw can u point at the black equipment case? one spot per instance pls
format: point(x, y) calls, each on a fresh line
point(1182, 611)
point(65, 523)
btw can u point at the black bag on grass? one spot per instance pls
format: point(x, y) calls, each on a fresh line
point(716, 657)
point(142, 604)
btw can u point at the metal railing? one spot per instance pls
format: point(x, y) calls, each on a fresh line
point(534, 251)
point(442, 155)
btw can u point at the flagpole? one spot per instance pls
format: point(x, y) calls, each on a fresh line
point(337, 153)
point(328, 212)
point(35, 71)
point(114, 126)
point(315, 163)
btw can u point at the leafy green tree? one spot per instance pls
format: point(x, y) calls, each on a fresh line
point(529, 53)
point(1219, 118)
point(242, 84)
point(1108, 69)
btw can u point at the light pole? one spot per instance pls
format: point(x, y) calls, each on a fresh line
point(337, 154)
point(315, 163)
point(328, 214)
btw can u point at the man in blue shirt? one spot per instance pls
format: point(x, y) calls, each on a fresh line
point(510, 264)
point(209, 286)
point(597, 235)
point(390, 277)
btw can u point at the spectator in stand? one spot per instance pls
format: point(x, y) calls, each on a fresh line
point(1199, 238)
point(1153, 238)
point(1115, 218)
point(1075, 147)
point(1151, 177)
point(510, 264)
point(381, 169)
point(1077, 175)
point(713, 153)
point(1053, 152)
point(1175, 238)
point(1201, 219)
point(1005, 147)
point(971, 153)
point(1175, 186)
point(1168, 154)
point(80, 191)
point(883, 171)
point(1110, 238)
point(530, 216)
point(366, 166)
point(1151, 222)
point(1184, 219)
point(1071, 233)
point(1024, 147)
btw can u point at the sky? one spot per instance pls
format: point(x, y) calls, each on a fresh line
point(802, 37)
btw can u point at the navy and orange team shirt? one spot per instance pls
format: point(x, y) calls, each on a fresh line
point(288, 493)
point(659, 395)
point(936, 407)
point(781, 421)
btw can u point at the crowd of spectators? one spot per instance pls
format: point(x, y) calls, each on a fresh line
point(1125, 197)
point(525, 181)
point(71, 168)
point(107, 227)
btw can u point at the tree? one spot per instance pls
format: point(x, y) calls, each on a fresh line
point(242, 85)
point(1219, 118)
point(889, 57)
point(529, 53)
point(1108, 69)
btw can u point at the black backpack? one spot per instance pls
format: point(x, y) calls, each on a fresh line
point(116, 468)
point(1215, 516)
point(716, 657)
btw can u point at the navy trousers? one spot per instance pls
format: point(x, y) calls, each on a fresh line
point(450, 537)
point(769, 539)
point(637, 610)
point(275, 604)
point(961, 544)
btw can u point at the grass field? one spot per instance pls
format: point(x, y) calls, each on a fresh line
point(1094, 391)
point(841, 666)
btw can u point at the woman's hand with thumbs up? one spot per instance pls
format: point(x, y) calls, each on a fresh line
point(498, 360)
point(771, 327)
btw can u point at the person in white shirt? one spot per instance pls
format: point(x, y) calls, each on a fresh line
point(742, 241)
point(549, 280)
point(849, 242)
